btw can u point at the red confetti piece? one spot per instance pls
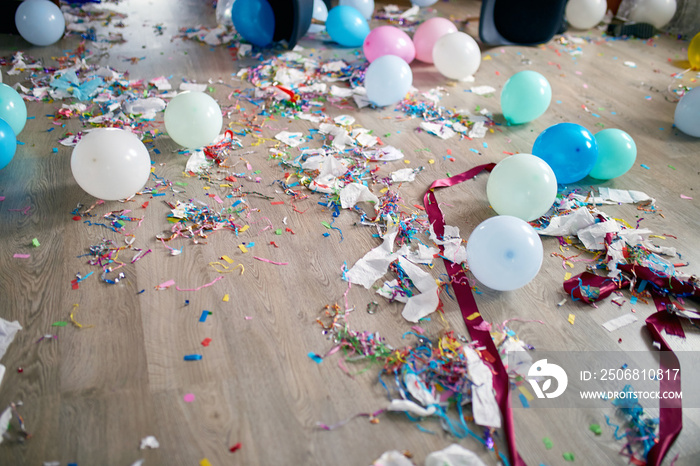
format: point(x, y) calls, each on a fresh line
point(206, 342)
point(235, 448)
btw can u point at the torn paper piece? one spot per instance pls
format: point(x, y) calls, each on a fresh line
point(384, 154)
point(593, 236)
point(5, 419)
point(8, 330)
point(619, 322)
point(452, 244)
point(484, 406)
point(418, 390)
point(570, 224)
point(198, 163)
point(2, 373)
point(374, 264)
point(441, 131)
point(161, 83)
point(193, 87)
point(420, 305)
point(478, 130)
point(344, 120)
point(289, 77)
point(392, 458)
point(388, 290)
point(291, 139)
point(327, 184)
point(353, 193)
point(342, 92)
point(422, 255)
point(483, 90)
point(147, 108)
point(364, 138)
point(149, 442)
point(404, 175)
point(454, 455)
point(624, 196)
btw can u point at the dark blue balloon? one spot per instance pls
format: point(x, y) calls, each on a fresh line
point(570, 149)
point(8, 143)
point(254, 20)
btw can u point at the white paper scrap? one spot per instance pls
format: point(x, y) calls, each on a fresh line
point(483, 90)
point(484, 406)
point(403, 175)
point(392, 458)
point(441, 131)
point(5, 419)
point(454, 455)
point(374, 264)
point(184, 86)
point(8, 330)
point(291, 139)
point(353, 193)
point(149, 442)
point(619, 322)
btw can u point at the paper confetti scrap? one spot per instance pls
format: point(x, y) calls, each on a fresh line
point(619, 322)
point(571, 319)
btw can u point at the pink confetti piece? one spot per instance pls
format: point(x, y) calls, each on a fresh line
point(200, 287)
point(218, 199)
point(269, 261)
point(165, 285)
point(2, 198)
point(683, 196)
point(21, 256)
point(248, 318)
point(188, 398)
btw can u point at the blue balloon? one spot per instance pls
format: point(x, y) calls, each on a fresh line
point(40, 22)
point(8, 143)
point(12, 108)
point(525, 97)
point(254, 20)
point(504, 253)
point(570, 149)
point(347, 26)
point(387, 80)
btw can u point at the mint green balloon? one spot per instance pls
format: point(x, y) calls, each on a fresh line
point(523, 186)
point(525, 97)
point(193, 119)
point(12, 108)
point(616, 154)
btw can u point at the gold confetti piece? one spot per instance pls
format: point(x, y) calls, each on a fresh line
point(431, 161)
point(572, 318)
point(242, 248)
point(473, 316)
point(225, 299)
point(204, 462)
point(567, 276)
point(227, 259)
point(526, 393)
point(72, 319)
point(570, 264)
point(243, 228)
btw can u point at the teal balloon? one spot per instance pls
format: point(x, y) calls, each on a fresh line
point(347, 26)
point(254, 20)
point(387, 80)
point(8, 143)
point(570, 149)
point(12, 108)
point(616, 154)
point(525, 97)
point(687, 115)
point(522, 186)
point(504, 253)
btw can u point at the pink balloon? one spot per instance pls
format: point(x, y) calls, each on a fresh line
point(388, 40)
point(427, 34)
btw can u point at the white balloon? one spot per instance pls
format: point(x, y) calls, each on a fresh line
point(585, 14)
point(687, 115)
point(504, 253)
point(320, 13)
point(655, 12)
point(456, 55)
point(110, 164)
point(365, 7)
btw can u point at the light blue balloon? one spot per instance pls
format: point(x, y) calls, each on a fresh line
point(617, 152)
point(687, 115)
point(12, 108)
point(525, 97)
point(8, 143)
point(570, 149)
point(254, 20)
point(423, 3)
point(365, 7)
point(40, 22)
point(387, 80)
point(504, 253)
point(347, 26)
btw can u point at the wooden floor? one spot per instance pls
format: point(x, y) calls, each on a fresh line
point(90, 395)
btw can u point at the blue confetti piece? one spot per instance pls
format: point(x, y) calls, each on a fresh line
point(204, 316)
point(523, 400)
point(473, 150)
point(54, 150)
point(644, 166)
point(193, 357)
point(486, 146)
point(315, 358)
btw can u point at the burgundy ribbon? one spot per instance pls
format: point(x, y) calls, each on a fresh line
point(470, 311)
point(589, 288)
